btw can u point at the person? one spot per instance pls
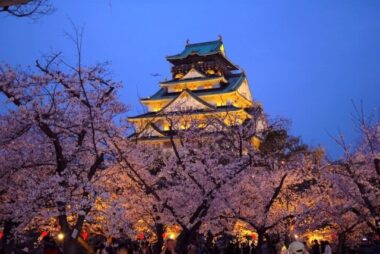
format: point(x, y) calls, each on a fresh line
point(297, 247)
point(245, 249)
point(327, 248)
point(25, 250)
point(280, 247)
point(112, 246)
point(315, 249)
point(101, 249)
point(122, 249)
point(145, 248)
point(50, 247)
point(136, 249)
point(253, 247)
point(229, 248)
point(192, 249)
point(322, 247)
point(169, 247)
point(265, 247)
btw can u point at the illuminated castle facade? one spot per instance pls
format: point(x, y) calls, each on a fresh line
point(205, 84)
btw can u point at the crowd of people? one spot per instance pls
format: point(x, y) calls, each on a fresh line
point(143, 247)
point(126, 246)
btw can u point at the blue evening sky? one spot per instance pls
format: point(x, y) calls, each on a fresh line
point(305, 60)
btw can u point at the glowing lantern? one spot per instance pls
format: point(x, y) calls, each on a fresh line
point(44, 234)
point(60, 236)
point(172, 236)
point(84, 235)
point(140, 236)
point(177, 228)
point(1, 234)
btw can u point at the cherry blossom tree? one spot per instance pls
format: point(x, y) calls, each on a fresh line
point(335, 216)
point(348, 206)
point(278, 188)
point(216, 173)
point(54, 141)
point(357, 175)
point(132, 210)
point(182, 182)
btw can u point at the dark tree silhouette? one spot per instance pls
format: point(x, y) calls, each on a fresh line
point(26, 8)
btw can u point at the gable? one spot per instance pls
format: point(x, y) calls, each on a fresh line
point(185, 102)
point(193, 73)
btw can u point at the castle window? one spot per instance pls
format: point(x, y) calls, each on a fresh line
point(210, 72)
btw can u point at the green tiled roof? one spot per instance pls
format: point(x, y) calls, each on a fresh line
point(176, 81)
point(234, 83)
point(202, 49)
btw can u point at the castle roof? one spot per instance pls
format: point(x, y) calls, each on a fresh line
point(229, 108)
point(233, 83)
point(180, 81)
point(201, 49)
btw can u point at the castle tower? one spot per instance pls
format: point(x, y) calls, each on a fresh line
point(205, 84)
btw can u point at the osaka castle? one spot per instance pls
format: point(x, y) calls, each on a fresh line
point(204, 84)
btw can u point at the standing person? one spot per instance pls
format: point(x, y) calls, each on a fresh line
point(145, 248)
point(25, 250)
point(245, 248)
point(322, 247)
point(122, 249)
point(306, 248)
point(192, 249)
point(297, 247)
point(136, 248)
point(50, 247)
point(327, 248)
point(253, 248)
point(101, 249)
point(201, 248)
point(112, 246)
point(265, 247)
point(169, 247)
point(315, 249)
point(279, 247)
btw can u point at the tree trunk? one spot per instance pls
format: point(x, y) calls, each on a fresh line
point(260, 241)
point(7, 240)
point(7, 3)
point(157, 247)
point(209, 239)
point(70, 246)
point(377, 165)
point(183, 241)
point(341, 243)
point(186, 236)
point(76, 246)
